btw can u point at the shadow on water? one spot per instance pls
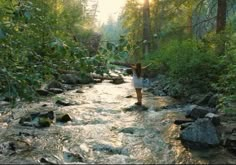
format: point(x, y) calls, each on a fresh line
point(106, 128)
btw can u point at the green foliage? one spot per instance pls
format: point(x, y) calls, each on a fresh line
point(188, 63)
point(226, 85)
point(37, 39)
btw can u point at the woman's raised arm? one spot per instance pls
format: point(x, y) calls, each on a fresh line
point(146, 66)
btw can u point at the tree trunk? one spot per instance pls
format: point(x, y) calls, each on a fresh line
point(220, 24)
point(146, 27)
point(221, 16)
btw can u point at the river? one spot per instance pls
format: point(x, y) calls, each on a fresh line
point(107, 128)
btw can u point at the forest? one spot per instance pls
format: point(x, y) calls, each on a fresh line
point(192, 43)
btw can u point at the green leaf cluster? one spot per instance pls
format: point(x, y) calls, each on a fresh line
point(39, 37)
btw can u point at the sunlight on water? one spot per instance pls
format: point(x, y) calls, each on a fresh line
point(101, 130)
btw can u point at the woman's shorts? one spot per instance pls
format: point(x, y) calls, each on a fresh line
point(138, 82)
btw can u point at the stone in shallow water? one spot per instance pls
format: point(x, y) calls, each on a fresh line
point(44, 122)
point(201, 133)
point(136, 108)
point(72, 157)
point(110, 149)
point(63, 103)
point(63, 118)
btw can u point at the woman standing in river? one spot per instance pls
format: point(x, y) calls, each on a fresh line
point(138, 80)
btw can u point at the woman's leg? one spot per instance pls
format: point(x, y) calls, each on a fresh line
point(139, 95)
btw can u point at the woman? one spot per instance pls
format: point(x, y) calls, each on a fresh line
point(138, 80)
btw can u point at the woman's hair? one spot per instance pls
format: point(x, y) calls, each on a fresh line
point(138, 69)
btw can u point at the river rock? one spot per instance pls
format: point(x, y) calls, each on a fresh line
point(230, 143)
point(202, 133)
point(38, 119)
point(43, 122)
point(215, 119)
point(185, 125)
point(63, 118)
point(43, 92)
point(7, 148)
point(110, 149)
point(72, 157)
point(55, 84)
point(182, 121)
point(195, 112)
point(63, 103)
point(47, 161)
point(118, 80)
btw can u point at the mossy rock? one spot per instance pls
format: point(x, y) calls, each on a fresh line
point(44, 122)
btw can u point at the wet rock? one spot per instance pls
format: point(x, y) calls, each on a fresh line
point(135, 108)
point(63, 118)
point(196, 112)
point(182, 121)
point(38, 119)
point(43, 122)
point(202, 133)
point(56, 90)
point(230, 143)
point(79, 91)
point(43, 92)
point(110, 149)
point(7, 148)
point(46, 160)
point(12, 147)
point(25, 121)
point(129, 130)
point(72, 157)
point(63, 103)
point(172, 106)
point(48, 114)
point(118, 80)
point(215, 119)
point(185, 125)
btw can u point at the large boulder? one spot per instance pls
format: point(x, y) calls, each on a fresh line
point(195, 112)
point(202, 133)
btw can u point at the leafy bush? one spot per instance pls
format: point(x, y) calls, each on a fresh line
point(226, 85)
point(188, 63)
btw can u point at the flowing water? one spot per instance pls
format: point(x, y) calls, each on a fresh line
point(103, 130)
